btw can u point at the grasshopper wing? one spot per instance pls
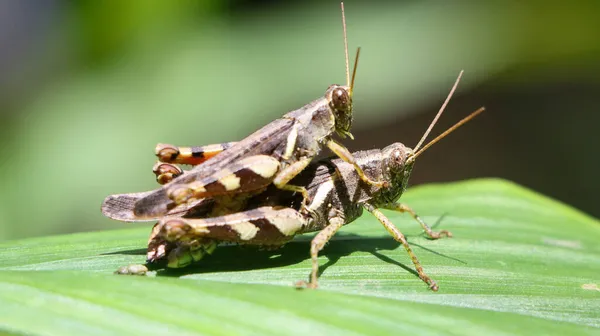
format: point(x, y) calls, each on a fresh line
point(120, 207)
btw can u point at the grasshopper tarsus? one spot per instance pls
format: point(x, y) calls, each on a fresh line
point(134, 269)
point(301, 284)
point(438, 234)
point(432, 284)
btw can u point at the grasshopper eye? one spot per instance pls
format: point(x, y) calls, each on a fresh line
point(398, 159)
point(340, 99)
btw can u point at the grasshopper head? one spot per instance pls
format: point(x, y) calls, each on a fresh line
point(397, 165)
point(396, 169)
point(340, 102)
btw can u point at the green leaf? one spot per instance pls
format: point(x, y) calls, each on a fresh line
point(519, 263)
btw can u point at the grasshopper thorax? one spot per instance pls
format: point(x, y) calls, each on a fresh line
point(340, 102)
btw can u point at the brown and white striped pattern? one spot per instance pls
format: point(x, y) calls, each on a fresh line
point(265, 225)
point(189, 155)
point(248, 174)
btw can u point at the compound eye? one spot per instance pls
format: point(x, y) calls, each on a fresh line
point(398, 158)
point(340, 99)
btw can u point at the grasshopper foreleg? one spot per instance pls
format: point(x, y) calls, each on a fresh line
point(398, 236)
point(344, 154)
point(405, 208)
point(316, 246)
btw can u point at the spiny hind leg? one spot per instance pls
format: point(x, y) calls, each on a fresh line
point(398, 236)
point(405, 208)
point(316, 246)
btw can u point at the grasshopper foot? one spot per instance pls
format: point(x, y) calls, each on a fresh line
point(301, 284)
point(132, 270)
point(430, 282)
point(439, 234)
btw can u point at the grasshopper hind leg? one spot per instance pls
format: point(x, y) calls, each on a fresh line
point(189, 155)
point(169, 155)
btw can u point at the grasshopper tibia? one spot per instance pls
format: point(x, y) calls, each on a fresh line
point(189, 155)
point(405, 208)
point(399, 237)
point(316, 246)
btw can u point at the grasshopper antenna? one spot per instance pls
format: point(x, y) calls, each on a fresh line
point(346, 48)
point(439, 112)
point(354, 70)
point(345, 45)
point(448, 131)
point(349, 82)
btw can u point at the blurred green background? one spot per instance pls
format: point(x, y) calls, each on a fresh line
point(87, 88)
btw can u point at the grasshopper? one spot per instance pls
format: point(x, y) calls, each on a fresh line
point(274, 154)
point(338, 197)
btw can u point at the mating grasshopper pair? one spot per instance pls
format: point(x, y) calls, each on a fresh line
point(273, 217)
point(240, 193)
